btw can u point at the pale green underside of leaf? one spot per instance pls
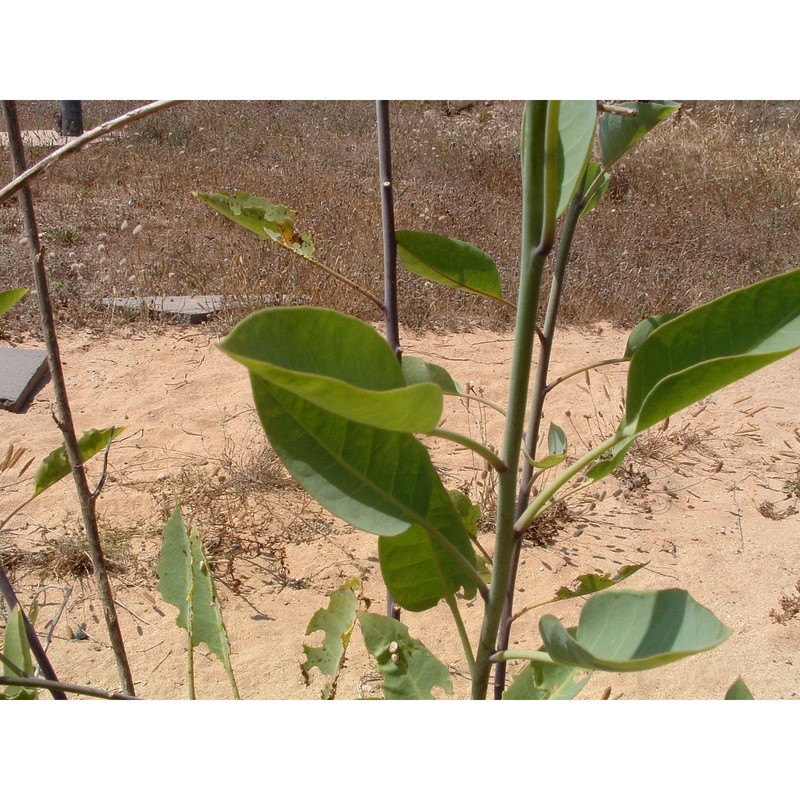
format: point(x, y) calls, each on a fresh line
point(592, 171)
point(576, 124)
point(710, 347)
point(414, 672)
point(10, 297)
point(55, 466)
point(417, 370)
point(379, 481)
point(556, 440)
point(262, 217)
point(449, 262)
point(629, 631)
point(618, 134)
point(739, 691)
point(336, 362)
point(336, 621)
point(540, 681)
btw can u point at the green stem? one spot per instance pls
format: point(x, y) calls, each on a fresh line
point(478, 399)
point(532, 511)
point(594, 365)
point(546, 338)
point(481, 449)
point(462, 632)
point(524, 655)
point(539, 121)
point(190, 669)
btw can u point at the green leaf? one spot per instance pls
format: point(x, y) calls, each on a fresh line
point(605, 466)
point(336, 362)
point(185, 582)
point(619, 134)
point(417, 570)
point(628, 631)
point(17, 650)
point(10, 298)
point(409, 669)
point(175, 569)
point(592, 582)
point(548, 462)
point(739, 691)
point(262, 217)
point(56, 465)
point(556, 440)
point(416, 370)
point(592, 171)
point(540, 681)
point(207, 623)
point(336, 621)
point(379, 481)
point(450, 262)
point(643, 330)
point(576, 124)
point(710, 347)
point(469, 512)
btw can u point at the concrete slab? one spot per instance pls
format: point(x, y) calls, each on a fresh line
point(38, 139)
point(193, 309)
point(21, 371)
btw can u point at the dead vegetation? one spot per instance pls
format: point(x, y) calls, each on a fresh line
point(711, 195)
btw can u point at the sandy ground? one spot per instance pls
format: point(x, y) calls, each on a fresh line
point(691, 505)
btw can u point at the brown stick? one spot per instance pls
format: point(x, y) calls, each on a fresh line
point(65, 423)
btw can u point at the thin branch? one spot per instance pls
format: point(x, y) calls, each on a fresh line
point(604, 363)
point(477, 447)
point(76, 144)
point(58, 686)
point(65, 421)
point(7, 590)
point(390, 314)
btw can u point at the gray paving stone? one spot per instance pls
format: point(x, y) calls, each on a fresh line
point(21, 370)
point(193, 309)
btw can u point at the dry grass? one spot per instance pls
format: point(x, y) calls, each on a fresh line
point(707, 203)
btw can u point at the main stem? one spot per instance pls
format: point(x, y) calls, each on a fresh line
point(390, 315)
point(85, 496)
point(534, 425)
point(538, 161)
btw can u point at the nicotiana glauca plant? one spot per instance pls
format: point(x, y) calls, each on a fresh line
point(344, 416)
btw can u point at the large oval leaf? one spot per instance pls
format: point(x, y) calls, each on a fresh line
point(576, 123)
point(450, 262)
point(703, 350)
point(629, 631)
point(417, 570)
point(379, 481)
point(618, 134)
point(336, 362)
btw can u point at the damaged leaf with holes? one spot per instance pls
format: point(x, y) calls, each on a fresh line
point(336, 622)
